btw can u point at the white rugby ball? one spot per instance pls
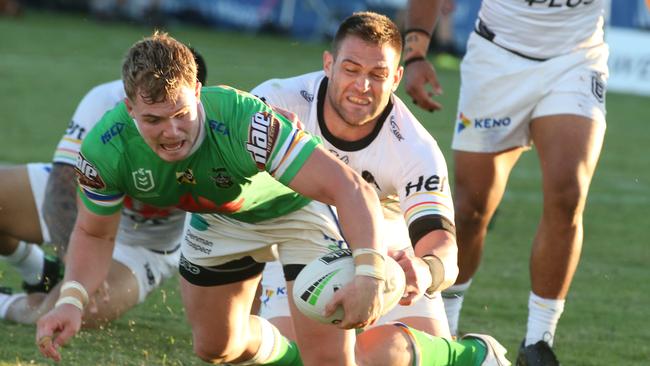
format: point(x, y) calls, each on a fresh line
point(320, 279)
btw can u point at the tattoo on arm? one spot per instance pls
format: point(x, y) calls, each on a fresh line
point(60, 205)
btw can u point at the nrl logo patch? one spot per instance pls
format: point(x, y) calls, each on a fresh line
point(598, 87)
point(87, 174)
point(143, 180)
point(186, 177)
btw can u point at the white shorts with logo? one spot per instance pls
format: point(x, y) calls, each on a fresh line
point(502, 92)
point(149, 268)
point(299, 237)
point(275, 301)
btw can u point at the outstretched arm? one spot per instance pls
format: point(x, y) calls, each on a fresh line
point(60, 206)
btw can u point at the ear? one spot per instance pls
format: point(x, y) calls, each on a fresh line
point(328, 61)
point(197, 90)
point(397, 78)
point(129, 106)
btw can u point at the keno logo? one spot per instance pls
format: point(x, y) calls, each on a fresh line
point(262, 133)
point(87, 174)
point(143, 180)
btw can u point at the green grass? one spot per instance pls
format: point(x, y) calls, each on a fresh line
point(48, 61)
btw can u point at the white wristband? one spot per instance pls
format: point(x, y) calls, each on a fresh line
point(370, 271)
point(77, 286)
point(70, 300)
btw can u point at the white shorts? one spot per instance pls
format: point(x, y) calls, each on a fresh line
point(150, 268)
point(501, 93)
point(301, 236)
point(275, 301)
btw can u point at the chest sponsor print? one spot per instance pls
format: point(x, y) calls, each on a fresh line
point(262, 135)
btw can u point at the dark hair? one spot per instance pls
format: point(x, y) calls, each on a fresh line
point(370, 27)
point(201, 67)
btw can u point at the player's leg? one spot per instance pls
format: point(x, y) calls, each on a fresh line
point(118, 294)
point(426, 314)
point(568, 148)
point(21, 194)
point(274, 299)
point(480, 181)
point(399, 345)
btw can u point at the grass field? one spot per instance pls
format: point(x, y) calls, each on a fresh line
point(48, 61)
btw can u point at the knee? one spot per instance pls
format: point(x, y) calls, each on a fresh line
point(381, 345)
point(566, 201)
point(217, 350)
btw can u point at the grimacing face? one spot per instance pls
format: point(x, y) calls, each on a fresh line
point(361, 79)
point(169, 128)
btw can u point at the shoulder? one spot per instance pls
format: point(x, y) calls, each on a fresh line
point(407, 131)
point(301, 88)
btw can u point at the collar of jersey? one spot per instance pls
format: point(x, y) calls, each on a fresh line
point(337, 142)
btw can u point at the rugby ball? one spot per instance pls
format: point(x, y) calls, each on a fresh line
point(320, 279)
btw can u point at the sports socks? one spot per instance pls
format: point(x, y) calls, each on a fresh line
point(6, 301)
point(430, 350)
point(453, 298)
point(28, 259)
point(543, 315)
point(275, 349)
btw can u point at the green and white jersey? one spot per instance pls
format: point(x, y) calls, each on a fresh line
point(240, 165)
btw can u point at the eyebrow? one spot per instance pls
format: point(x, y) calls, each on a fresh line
point(178, 112)
point(384, 67)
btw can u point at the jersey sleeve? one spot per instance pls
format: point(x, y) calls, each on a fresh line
point(89, 111)
point(424, 192)
point(97, 172)
point(268, 141)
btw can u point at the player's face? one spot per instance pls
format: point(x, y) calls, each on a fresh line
point(361, 80)
point(170, 128)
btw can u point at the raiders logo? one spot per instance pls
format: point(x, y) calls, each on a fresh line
point(87, 174)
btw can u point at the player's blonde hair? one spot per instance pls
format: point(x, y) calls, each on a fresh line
point(157, 67)
point(371, 27)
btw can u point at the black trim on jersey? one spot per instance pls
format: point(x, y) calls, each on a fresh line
point(426, 224)
point(167, 251)
point(291, 271)
point(337, 142)
point(482, 30)
point(230, 272)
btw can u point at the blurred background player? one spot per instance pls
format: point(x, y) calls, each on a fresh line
point(351, 106)
point(39, 206)
point(543, 83)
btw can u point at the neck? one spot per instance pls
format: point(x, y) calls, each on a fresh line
point(343, 130)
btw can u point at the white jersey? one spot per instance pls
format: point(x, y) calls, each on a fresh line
point(398, 158)
point(140, 225)
point(544, 28)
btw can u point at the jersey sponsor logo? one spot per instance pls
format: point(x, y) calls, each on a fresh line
point(262, 133)
point(307, 95)
point(219, 127)
point(221, 178)
point(113, 131)
point(395, 129)
point(598, 86)
point(186, 177)
point(343, 158)
point(463, 122)
point(151, 279)
point(75, 130)
point(560, 3)
point(432, 183)
point(368, 177)
point(481, 123)
point(143, 180)
point(189, 266)
point(87, 174)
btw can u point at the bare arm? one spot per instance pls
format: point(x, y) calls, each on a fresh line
point(420, 21)
point(326, 179)
point(60, 206)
